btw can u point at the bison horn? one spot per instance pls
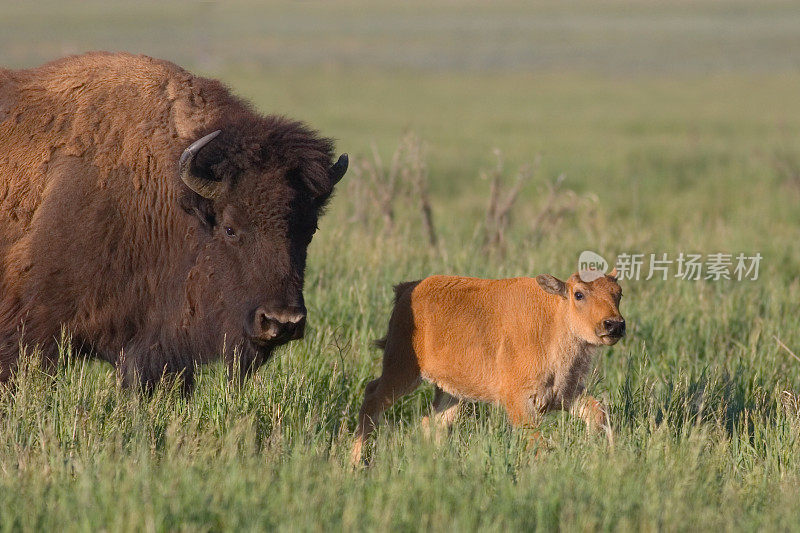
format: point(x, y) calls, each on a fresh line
point(204, 187)
point(336, 172)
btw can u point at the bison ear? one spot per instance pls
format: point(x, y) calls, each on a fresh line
point(194, 176)
point(552, 285)
point(337, 170)
point(200, 208)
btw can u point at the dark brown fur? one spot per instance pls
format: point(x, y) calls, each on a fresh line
point(99, 233)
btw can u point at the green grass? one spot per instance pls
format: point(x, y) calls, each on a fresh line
point(678, 160)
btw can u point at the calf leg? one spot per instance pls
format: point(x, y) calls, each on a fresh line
point(370, 411)
point(445, 412)
point(400, 375)
point(379, 395)
point(521, 415)
point(595, 414)
point(519, 412)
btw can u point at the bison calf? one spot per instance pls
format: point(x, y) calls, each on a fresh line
point(524, 343)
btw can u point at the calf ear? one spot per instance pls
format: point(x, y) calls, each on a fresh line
point(552, 285)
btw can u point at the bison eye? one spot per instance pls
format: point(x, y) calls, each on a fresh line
point(230, 232)
point(579, 295)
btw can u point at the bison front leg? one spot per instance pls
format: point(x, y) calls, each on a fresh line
point(595, 414)
point(445, 413)
point(526, 413)
point(24, 332)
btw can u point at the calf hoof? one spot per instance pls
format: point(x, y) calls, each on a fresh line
point(357, 459)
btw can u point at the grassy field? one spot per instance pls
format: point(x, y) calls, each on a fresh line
point(677, 129)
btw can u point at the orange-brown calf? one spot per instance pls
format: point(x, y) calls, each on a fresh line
point(524, 343)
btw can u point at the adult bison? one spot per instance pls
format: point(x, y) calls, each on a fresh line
point(152, 214)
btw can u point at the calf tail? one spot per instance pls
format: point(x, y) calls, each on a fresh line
point(379, 343)
point(399, 290)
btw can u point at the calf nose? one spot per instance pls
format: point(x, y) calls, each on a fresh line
point(279, 324)
point(615, 327)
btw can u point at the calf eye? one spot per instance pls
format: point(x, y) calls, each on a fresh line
point(578, 295)
point(230, 232)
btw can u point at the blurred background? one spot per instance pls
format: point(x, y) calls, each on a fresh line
point(465, 76)
point(609, 37)
point(494, 139)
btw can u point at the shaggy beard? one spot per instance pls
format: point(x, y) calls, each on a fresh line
point(243, 357)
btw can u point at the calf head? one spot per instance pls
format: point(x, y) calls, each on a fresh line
point(592, 308)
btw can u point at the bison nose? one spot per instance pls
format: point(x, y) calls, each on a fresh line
point(615, 327)
point(281, 325)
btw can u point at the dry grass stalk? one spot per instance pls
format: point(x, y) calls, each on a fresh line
point(415, 172)
point(549, 211)
point(558, 205)
point(380, 184)
point(787, 165)
point(791, 404)
point(782, 345)
point(498, 211)
point(379, 187)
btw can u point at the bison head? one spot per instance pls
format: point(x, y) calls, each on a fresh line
point(257, 191)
